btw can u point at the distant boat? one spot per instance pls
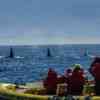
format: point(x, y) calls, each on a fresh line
point(48, 53)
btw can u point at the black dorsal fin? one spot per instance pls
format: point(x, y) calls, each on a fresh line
point(11, 55)
point(48, 52)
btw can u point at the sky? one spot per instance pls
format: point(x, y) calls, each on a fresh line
point(33, 22)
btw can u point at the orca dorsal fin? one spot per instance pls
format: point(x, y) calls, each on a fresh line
point(86, 53)
point(48, 53)
point(11, 55)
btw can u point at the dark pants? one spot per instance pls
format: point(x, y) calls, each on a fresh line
point(51, 91)
point(97, 87)
point(75, 91)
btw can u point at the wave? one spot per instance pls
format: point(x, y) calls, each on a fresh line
point(19, 57)
point(74, 56)
point(16, 57)
point(91, 56)
point(79, 57)
point(2, 57)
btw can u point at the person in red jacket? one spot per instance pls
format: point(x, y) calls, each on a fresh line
point(95, 71)
point(76, 82)
point(51, 82)
point(96, 60)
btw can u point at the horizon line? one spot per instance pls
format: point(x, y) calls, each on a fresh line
point(49, 44)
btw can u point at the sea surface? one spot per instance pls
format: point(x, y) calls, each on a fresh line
point(31, 63)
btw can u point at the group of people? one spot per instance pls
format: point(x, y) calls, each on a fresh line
point(74, 78)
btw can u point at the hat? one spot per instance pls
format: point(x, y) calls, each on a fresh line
point(77, 66)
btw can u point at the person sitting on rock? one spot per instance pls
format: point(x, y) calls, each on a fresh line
point(95, 71)
point(76, 81)
point(50, 83)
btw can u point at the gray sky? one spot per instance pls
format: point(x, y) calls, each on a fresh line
point(49, 21)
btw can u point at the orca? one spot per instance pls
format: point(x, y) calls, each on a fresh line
point(86, 53)
point(11, 55)
point(48, 53)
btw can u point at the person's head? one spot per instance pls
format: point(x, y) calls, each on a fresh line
point(97, 64)
point(67, 71)
point(96, 60)
point(77, 67)
point(51, 72)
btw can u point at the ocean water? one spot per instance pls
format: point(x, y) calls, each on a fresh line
point(31, 63)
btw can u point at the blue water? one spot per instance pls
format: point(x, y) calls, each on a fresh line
point(31, 62)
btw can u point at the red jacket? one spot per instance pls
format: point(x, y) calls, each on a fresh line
point(51, 80)
point(96, 71)
point(76, 81)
